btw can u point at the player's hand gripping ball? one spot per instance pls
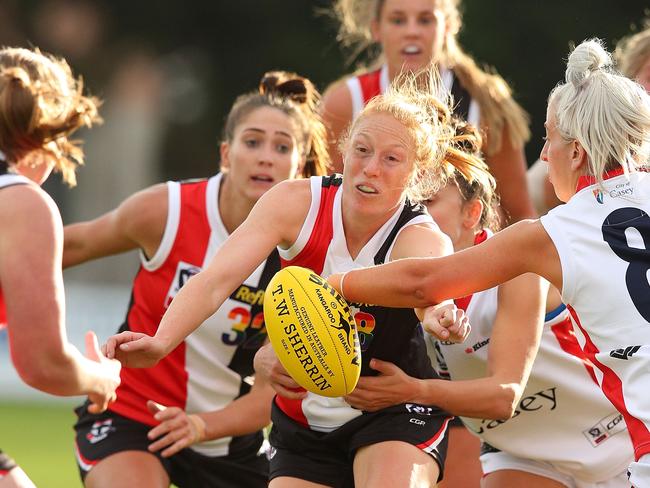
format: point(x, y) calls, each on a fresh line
point(312, 332)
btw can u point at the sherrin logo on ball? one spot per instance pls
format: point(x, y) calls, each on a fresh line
point(312, 332)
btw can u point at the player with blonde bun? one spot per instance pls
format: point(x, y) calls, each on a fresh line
point(632, 57)
point(409, 35)
point(595, 248)
point(41, 105)
point(194, 419)
point(563, 430)
point(395, 153)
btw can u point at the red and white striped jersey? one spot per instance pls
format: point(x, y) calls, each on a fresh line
point(389, 334)
point(207, 370)
point(602, 236)
point(368, 85)
point(562, 418)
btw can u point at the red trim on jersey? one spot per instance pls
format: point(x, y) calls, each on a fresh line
point(463, 302)
point(587, 180)
point(4, 472)
point(293, 409)
point(437, 437)
point(370, 85)
point(568, 341)
point(312, 256)
point(612, 387)
point(165, 383)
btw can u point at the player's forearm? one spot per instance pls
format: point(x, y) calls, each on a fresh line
point(197, 300)
point(402, 283)
point(482, 398)
point(245, 415)
point(62, 372)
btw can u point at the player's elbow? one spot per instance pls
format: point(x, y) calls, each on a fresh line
point(422, 287)
point(35, 376)
point(48, 372)
point(506, 401)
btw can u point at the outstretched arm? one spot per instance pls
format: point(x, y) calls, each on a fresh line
point(443, 320)
point(513, 345)
point(421, 282)
point(138, 222)
point(30, 275)
point(270, 223)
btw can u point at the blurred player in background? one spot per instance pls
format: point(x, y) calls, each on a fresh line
point(411, 35)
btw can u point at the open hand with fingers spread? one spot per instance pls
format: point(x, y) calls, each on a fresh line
point(446, 322)
point(109, 376)
point(134, 349)
point(269, 367)
point(176, 431)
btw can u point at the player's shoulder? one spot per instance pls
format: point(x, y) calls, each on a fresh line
point(296, 187)
point(27, 215)
point(424, 239)
point(298, 192)
point(25, 200)
point(144, 206)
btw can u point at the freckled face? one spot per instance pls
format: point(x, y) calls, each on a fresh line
point(378, 162)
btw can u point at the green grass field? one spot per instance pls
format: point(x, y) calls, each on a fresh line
point(39, 436)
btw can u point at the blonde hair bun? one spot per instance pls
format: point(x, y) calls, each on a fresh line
point(589, 57)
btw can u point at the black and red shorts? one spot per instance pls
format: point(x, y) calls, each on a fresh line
point(327, 457)
point(99, 436)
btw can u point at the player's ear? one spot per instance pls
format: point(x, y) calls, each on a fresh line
point(224, 151)
point(472, 212)
point(579, 157)
point(374, 30)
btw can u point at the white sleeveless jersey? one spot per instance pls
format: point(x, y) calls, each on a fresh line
point(318, 412)
point(11, 179)
point(602, 236)
point(562, 418)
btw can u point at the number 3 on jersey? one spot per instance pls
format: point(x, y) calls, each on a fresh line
point(636, 277)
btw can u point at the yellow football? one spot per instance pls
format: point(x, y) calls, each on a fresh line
point(312, 332)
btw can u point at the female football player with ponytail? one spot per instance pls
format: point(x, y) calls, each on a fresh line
point(194, 419)
point(394, 154)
